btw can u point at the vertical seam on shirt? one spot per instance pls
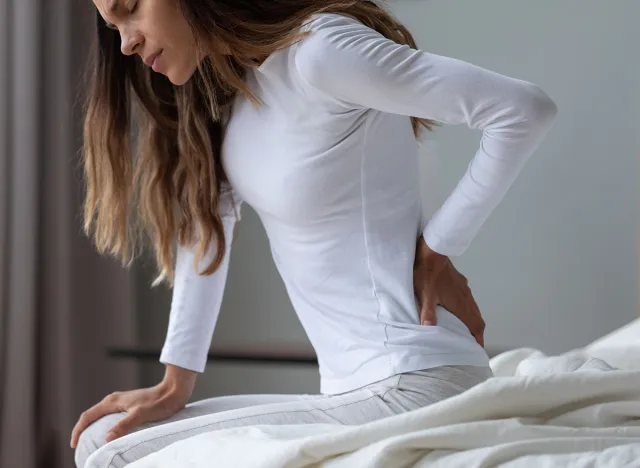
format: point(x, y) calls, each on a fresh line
point(364, 229)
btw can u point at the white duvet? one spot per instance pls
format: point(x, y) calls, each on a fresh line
point(574, 410)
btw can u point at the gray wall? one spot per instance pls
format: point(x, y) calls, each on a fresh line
point(556, 264)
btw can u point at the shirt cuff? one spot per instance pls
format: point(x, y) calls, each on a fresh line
point(187, 361)
point(440, 244)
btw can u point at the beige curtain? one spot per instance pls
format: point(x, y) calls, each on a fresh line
point(60, 304)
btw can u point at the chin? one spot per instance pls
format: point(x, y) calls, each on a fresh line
point(180, 77)
point(177, 80)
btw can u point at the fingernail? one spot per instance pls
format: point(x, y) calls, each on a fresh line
point(425, 323)
point(110, 436)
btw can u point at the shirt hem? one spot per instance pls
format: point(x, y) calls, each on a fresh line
point(416, 363)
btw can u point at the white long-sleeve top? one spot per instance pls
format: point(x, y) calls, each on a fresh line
point(329, 163)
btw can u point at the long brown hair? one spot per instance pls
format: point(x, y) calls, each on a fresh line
point(169, 190)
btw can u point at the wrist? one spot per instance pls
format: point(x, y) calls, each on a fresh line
point(178, 380)
point(428, 254)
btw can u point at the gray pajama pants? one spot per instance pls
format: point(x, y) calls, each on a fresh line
point(394, 395)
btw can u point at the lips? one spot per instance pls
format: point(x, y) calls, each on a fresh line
point(148, 61)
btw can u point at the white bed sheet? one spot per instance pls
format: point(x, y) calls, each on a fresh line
point(574, 410)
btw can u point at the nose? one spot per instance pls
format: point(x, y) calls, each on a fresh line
point(130, 43)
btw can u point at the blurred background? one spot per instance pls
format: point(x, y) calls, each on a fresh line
point(555, 266)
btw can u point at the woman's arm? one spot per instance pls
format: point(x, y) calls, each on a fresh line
point(359, 67)
point(194, 312)
point(197, 299)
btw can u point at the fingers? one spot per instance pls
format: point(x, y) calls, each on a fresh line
point(133, 419)
point(478, 324)
point(107, 406)
point(478, 332)
point(428, 311)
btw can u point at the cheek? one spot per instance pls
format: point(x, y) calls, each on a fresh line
point(179, 44)
point(183, 47)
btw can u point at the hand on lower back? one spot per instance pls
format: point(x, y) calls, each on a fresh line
point(142, 405)
point(437, 282)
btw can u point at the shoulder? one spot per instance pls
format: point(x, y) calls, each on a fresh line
point(326, 21)
point(331, 39)
point(327, 30)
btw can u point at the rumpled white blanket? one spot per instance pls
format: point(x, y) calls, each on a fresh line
point(575, 410)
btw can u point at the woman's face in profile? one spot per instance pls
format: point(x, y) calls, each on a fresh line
point(157, 31)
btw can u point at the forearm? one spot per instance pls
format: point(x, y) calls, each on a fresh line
point(195, 307)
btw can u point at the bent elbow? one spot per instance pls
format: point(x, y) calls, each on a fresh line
point(540, 107)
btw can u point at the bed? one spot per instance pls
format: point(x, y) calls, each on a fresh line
point(579, 409)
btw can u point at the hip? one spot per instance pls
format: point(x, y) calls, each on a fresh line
point(413, 390)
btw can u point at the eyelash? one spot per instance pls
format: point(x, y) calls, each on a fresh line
point(131, 11)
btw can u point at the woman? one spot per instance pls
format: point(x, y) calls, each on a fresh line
point(308, 110)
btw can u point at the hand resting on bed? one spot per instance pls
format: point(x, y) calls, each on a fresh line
point(142, 405)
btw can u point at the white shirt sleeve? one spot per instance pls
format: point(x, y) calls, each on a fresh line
point(196, 301)
point(356, 65)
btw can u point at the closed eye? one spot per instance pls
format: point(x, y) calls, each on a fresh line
point(132, 9)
